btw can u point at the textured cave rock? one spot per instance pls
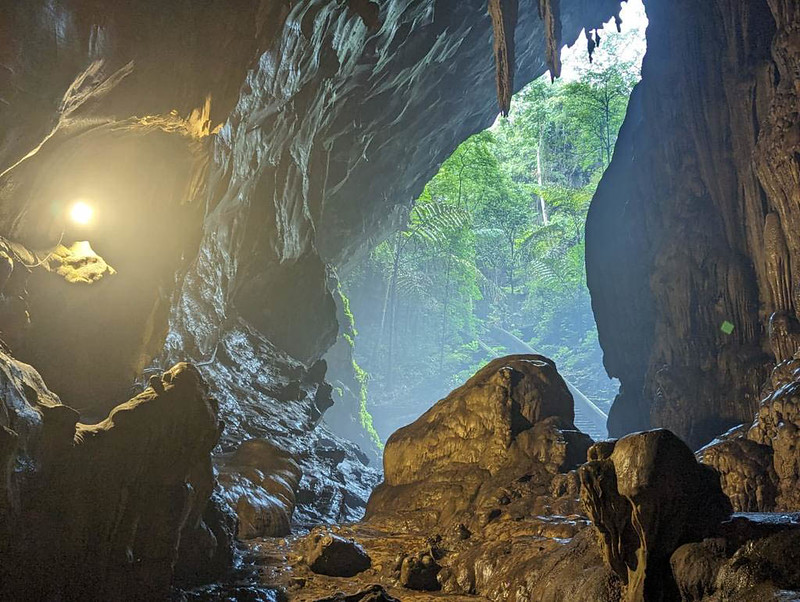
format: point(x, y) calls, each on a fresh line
point(332, 555)
point(105, 507)
point(259, 481)
point(512, 418)
point(646, 495)
point(265, 394)
point(760, 461)
point(226, 182)
point(750, 560)
point(694, 223)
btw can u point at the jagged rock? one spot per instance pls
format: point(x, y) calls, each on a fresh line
point(259, 481)
point(646, 496)
point(752, 562)
point(512, 418)
point(745, 467)
point(419, 571)
point(112, 501)
point(329, 554)
point(760, 462)
point(373, 594)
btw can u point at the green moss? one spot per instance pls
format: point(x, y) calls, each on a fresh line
point(363, 412)
point(361, 375)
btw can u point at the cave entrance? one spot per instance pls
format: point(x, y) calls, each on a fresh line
point(491, 261)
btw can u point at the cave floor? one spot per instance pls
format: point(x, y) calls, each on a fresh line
point(280, 564)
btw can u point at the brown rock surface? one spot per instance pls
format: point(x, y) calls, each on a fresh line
point(259, 481)
point(514, 417)
point(760, 461)
point(695, 222)
point(646, 497)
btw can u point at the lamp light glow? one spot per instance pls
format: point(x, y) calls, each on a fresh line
point(81, 213)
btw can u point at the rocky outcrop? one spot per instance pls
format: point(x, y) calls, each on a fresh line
point(647, 495)
point(692, 229)
point(261, 164)
point(111, 502)
point(750, 560)
point(760, 461)
point(512, 418)
point(259, 481)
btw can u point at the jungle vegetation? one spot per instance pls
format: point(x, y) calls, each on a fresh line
point(495, 246)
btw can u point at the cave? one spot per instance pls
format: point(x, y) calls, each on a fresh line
point(186, 189)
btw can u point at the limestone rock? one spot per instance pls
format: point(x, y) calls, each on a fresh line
point(512, 418)
point(373, 594)
point(259, 481)
point(745, 467)
point(671, 259)
point(113, 501)
point(329, 554)
point(750, 561)
point(760, 462)
point(646, 497)
point(419, 571)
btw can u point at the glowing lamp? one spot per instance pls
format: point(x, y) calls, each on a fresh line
point(81, 213)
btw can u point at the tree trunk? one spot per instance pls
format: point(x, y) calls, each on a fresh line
point(539, 176)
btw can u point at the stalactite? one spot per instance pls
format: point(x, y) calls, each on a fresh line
point(550, 13)
point(590, 45)
point(504, 22)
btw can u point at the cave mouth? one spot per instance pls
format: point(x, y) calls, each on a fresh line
point(491, 261)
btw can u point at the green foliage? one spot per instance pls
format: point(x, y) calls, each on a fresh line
point(495, 239)
point(361, 376)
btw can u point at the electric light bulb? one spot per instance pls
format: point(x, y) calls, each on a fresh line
point(81, 213)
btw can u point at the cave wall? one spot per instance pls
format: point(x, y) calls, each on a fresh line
point(244, 149)
point(678, 239)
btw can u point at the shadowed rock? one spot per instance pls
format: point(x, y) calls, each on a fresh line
point(329, 554)
point(646, 495)
point(109, 504)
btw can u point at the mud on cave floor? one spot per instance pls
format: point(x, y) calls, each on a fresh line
point(280, 563)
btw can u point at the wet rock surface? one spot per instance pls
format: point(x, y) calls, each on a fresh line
point(111, 501)
point(646, 495)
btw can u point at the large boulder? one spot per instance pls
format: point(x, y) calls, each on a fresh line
point(647, 495)
point(513, 418)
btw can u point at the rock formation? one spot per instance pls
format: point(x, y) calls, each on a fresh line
point(694, 222)
point(646, 495)
point(233, 151)
point(114, 501)
point(513, 417)
point(760, 460)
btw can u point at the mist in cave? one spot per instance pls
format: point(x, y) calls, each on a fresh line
point(491, 261)
point(400, 300)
